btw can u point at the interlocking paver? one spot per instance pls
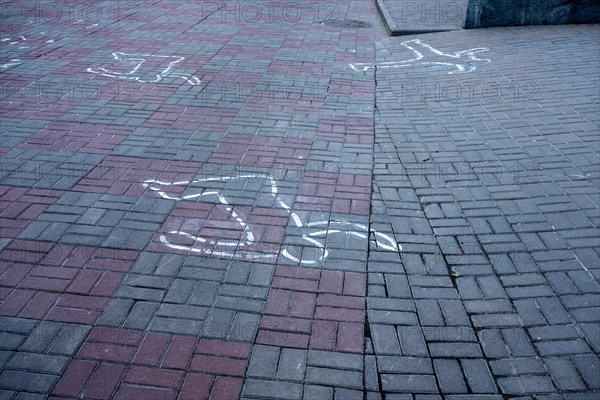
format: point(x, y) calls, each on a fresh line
point(185, 303)
point(300, 312)
point(85, 138)
point(261, 151)
point(16, 131)
point(343, 193)
point(20, 206)
point(101, 220)
point(43, 280)
point(169, 144)
point(165, 363)
point(44, 169)
point(42, 356)
point(272, 389)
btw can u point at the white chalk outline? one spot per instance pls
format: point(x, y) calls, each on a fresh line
point(21, 41)
point(11, 63)
point(141, 58)
point(385, 242)
point(421, 59)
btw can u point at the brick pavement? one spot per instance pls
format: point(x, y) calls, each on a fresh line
point(217, 199)
point(489, 182)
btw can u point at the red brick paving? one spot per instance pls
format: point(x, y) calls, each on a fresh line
point(310, 308)
point(355, 89)
point(19, 206)
point(254, 53)
point(118, 363)
point(286, 99)
point(65, 54)
point(262, 151)
point(59, 282)
point(341, 193)
point(358, 130)
point(222, 80)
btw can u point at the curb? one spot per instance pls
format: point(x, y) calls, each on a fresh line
point(394, 30)
point(385, 15)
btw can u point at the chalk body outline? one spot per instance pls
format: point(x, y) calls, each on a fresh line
point(383, 241)
point(420, 58)
point(141, 59)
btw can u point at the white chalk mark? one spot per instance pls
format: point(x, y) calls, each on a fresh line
point(579, 177)
point(136, 61)
point(227, 248)
point(464, 61)
point(21, 41)
point(191, 80)
point(11, 63)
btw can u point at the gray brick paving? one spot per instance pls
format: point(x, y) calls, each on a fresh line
point(303, 374)
point(34, 354)
point(44, 169)
point(15, 132)
point(190, 296)
point(272, 389)
point(100, 220)
point(334, 377)
point(481, 197)
point(327, 156)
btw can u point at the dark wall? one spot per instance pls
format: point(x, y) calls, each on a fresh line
point(488, 13)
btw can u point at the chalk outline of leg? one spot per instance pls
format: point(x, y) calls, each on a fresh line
point(140, 58)
point(380, 238)
point(419, 59)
